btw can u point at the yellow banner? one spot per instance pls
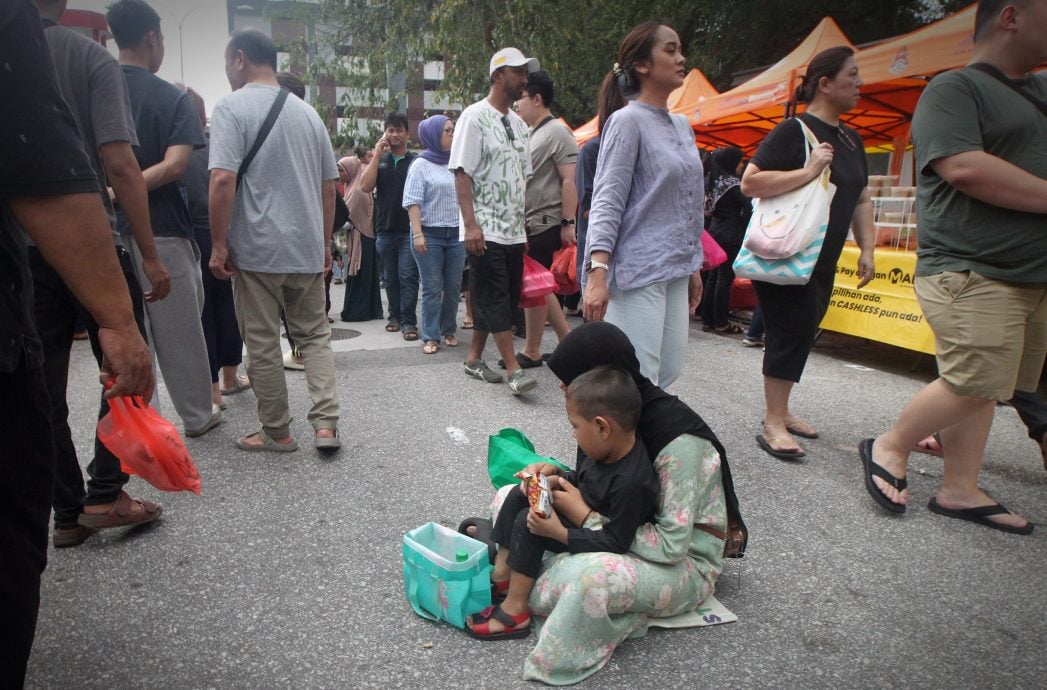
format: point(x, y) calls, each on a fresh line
point(886, 309)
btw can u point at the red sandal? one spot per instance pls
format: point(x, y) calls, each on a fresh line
point(499, 590)
point(516, 627)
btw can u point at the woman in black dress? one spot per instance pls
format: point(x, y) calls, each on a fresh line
point(792, 312)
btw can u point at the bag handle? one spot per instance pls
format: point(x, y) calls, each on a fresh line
point(412, 596)
point(267, 126)
point(810, 142)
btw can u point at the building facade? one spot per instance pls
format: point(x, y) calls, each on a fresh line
point(352, 114)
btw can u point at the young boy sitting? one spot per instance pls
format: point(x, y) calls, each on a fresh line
point(614, 477)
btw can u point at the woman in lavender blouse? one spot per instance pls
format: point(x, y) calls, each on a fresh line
point(644, 242)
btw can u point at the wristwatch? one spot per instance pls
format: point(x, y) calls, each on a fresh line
point(566, 222)
point(592, 264)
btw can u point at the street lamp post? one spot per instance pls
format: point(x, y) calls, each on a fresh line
point(181, 53)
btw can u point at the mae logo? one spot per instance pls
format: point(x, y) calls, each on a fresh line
point(896, 276)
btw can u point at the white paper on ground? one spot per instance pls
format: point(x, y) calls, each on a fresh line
point(710, 612)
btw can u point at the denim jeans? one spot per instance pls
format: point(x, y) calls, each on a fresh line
point(756, 325)
point(394, 249)
point(715, 309)
point(441, 271)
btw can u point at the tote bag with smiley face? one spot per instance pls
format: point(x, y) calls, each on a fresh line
point(789, 223)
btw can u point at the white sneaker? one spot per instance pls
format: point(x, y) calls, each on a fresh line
point(520, 382)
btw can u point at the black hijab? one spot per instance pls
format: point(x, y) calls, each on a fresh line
point(663, 417)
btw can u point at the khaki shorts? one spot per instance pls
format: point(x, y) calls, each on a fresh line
point(990, 335)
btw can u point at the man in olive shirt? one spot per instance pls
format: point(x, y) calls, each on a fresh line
point(981, 276)
point(550, 204)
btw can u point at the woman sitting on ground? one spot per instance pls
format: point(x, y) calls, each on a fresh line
point(591, 602)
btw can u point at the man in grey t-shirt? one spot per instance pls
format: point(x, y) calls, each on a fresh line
point(272, 236)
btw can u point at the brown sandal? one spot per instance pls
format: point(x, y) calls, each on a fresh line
point(450, 341)
point(126, 511)
point(430, 347)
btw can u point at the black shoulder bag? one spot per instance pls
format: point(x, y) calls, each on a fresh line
point(267, 126)
point(1002, 78)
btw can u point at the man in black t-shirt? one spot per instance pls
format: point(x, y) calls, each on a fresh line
point(386, 175)
point(168, 131)
point(93, 85)
point(49, 189)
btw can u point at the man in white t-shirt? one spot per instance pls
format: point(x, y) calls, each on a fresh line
point(491, 162)
point(271, 232)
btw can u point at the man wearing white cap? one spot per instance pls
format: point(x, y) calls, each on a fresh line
point(491, 162)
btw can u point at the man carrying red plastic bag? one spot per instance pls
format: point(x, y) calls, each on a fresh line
point(147, 445)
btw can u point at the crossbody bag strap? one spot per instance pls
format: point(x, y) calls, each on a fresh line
point(1002, 78)
point(267, 126)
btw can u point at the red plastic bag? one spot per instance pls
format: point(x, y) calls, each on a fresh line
point(565, 270)
point(537, 282)
point(712, 253)
point(148, 445)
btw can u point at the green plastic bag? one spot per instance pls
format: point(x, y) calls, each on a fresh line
point(510, 451)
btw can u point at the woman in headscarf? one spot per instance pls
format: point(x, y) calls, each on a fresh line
point(593, 601)
point(363, 300)
point(436, 242)
point(730, 211)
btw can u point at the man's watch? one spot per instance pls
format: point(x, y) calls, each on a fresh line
point(566, 222)
point(592, 264)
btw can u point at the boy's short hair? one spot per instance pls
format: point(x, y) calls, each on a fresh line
point(541, 84)
point(606, 392)
point(130, 21)
point(258, 48)
point(395, 120)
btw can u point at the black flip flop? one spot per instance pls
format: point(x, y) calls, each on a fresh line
point(871, 469)
point(777, 453)
point(483, 528)
point(979, 516)
point(802, 434)
point(524, 361)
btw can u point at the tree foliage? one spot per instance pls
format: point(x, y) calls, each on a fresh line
point(368, 43)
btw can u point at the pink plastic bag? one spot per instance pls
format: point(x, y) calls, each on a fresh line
point(538, 281)
point(712, 253)
point(148, 445)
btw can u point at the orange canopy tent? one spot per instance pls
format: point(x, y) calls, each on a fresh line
point(695, 89)
point(743, 116)
point(894, 71)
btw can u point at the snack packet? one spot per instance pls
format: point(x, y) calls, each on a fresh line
point(538, 493)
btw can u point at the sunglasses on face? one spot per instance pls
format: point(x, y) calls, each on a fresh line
point(508, 128)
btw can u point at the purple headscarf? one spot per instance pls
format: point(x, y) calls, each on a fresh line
point(429, 131)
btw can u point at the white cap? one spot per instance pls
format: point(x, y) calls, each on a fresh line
point(512, 57)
